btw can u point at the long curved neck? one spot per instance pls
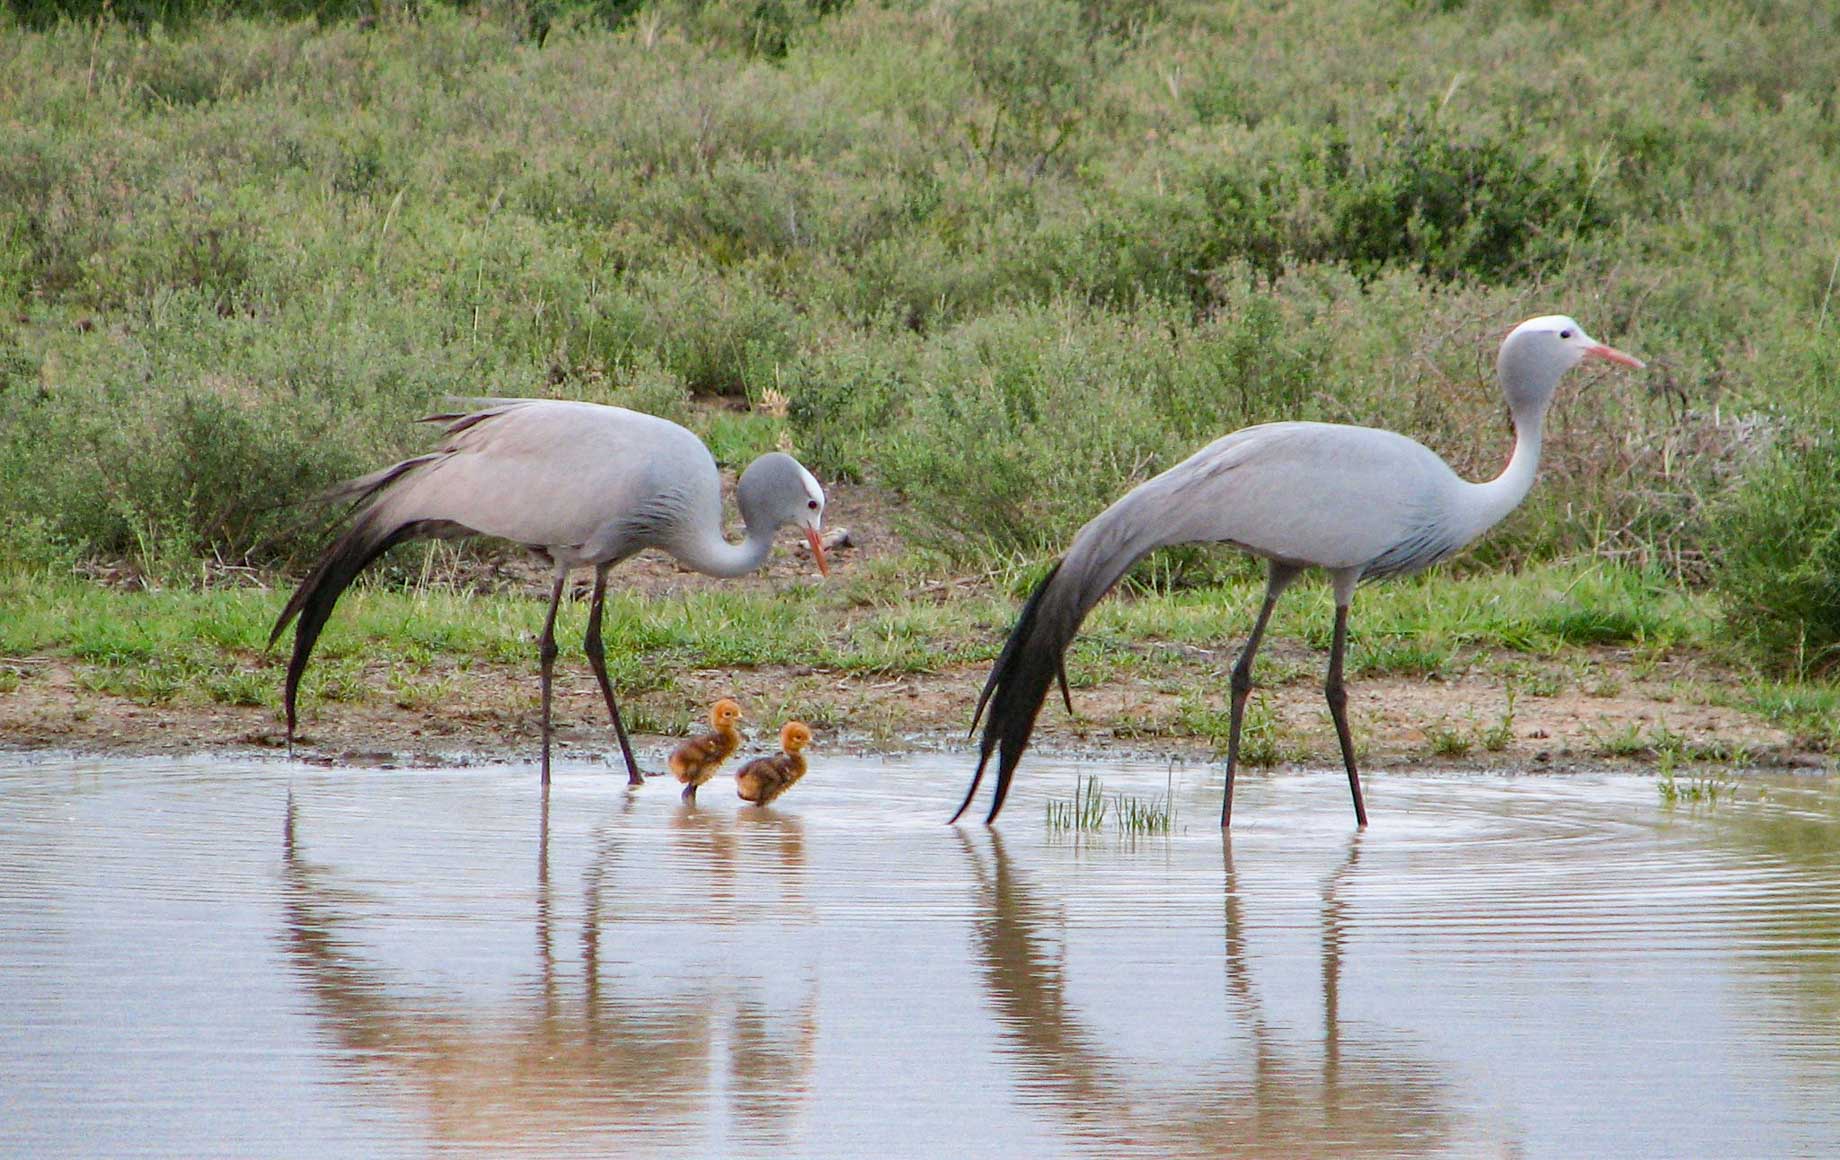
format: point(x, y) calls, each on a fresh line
point(707, 552)
point(1489, 503)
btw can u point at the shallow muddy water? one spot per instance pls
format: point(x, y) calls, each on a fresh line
point(206, 958)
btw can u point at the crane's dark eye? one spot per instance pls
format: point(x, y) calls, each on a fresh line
point(812, 504)
point(1565, 334)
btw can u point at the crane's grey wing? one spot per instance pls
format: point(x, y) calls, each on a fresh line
point(1315, 494)
point(365, 486)
point(557, 474)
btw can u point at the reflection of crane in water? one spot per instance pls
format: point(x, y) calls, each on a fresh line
point(1362, 1098)
point(557, 1067)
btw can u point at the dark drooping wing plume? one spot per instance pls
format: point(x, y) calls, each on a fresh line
point(374, 530)
point(1035, 653)
point(369, 537)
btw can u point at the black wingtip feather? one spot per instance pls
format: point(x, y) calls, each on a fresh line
point(312, 602)
point(1018, 684)
point(1036, 653)
point(976, 780)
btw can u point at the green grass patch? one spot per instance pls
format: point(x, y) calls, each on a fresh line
point(1780, 583)
point(1810, 712)
point(1448, 742)
point(1700, 790)
point(1263, 740)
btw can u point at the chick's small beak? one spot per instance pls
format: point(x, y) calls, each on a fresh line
point(1615, 355)
point(817, 551)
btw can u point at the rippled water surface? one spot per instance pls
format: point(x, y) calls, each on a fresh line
point(204, 958)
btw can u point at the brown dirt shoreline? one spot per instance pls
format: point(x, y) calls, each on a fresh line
point(490, 715)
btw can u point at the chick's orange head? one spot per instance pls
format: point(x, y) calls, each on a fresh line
point(795, 736)
point(725, 712)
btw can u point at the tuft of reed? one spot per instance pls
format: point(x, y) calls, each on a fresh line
point(1144, 817)
point(1084, 812)
point(1131, 816)
point(1703, 789)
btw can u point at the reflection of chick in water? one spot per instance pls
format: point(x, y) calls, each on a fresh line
point(696, 760)
point(735, 861)
point(765, 778)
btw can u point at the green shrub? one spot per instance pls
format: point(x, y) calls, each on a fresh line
point(1037, 68)
point(196, 434)
point(1413, 195)
point(848, 396)
point(1426, 199)
point(766, 28)
point(718, 336)
point(1778, 535)
point(174, 14)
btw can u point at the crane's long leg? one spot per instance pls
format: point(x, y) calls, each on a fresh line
point(1338, 709)
point(546, 658)
point(597, 660)
point(1278, 578)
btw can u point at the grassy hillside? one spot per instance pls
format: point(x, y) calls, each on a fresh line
point(1002, 259)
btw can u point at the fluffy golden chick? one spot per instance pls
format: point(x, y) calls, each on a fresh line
point(765, 778)
point(696, 760)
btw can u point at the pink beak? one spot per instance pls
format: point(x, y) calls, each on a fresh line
point(1615, 355)
point(817, 544)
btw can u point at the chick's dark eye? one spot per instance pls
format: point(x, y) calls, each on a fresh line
point(1565, 334)
point(812, 504)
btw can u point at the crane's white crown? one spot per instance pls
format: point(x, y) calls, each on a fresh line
point(1561, 327)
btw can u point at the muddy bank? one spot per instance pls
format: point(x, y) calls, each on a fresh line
point(489, 713)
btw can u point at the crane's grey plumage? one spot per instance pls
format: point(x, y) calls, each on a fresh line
point(1358, 502)
point(583, 484)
